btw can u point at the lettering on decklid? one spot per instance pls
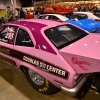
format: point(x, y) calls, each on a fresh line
point(38, 63)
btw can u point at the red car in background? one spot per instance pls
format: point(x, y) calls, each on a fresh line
point(62, 10)
point(29, 15)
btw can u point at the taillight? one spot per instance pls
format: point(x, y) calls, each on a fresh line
point(77, 77)
point(97, 20)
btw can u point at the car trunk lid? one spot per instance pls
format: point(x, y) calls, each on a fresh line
point(83, 55)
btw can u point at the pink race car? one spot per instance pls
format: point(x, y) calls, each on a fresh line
point(52, 54)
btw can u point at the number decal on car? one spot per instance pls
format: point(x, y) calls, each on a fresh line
point(9, 35)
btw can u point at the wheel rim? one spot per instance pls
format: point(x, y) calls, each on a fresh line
point(36, 78)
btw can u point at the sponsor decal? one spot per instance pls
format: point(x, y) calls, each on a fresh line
point(4, 50)
point(45, 66)
point(38, 63)
point(80, 63)
point(7, 60)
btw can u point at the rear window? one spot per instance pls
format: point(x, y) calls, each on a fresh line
point(64, 35)
point(73, 16)
point(78, 16)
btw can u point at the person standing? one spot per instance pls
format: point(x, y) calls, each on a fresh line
point(21, 14)
point(48, 10)
point(36, 12)
point(42, 9)
point(9, 14)
point(15, 14)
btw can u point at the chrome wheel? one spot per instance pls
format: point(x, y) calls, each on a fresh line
point(38, 82)
point(36, 78)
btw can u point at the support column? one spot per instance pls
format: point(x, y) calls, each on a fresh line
point(53, 2)
point(33, 4)
point(12, 4)
point(75, 2)
point(15, 4)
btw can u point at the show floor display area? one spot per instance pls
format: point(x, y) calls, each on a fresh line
point(14, 86)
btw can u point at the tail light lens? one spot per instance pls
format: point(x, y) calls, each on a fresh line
point(97, 20)
point(77, 77)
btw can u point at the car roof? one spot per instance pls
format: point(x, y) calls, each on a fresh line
point(43, 22)
point(63, 18)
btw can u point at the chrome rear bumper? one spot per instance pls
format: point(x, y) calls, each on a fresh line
point(73, 91)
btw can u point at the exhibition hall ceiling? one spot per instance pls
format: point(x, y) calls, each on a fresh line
point(27, 3)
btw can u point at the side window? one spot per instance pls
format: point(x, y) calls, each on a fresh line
point(41, 17)
point(78, 16)
point(23, 39)
point(73, 17)
point(54, 18)
point(7, 34)
point(50, 17)
point(82, 16)
point(46, 17)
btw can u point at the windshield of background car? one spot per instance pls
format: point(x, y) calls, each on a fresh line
point(78, 16)
point(64, 35)
point(97, 13)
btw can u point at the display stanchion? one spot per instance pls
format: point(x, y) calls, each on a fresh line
point(53, 2)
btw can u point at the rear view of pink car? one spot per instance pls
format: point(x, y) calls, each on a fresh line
point(51, 54)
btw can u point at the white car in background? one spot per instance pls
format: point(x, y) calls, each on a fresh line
point(86, 14)
point(73, 16)
point(53, 17)
point(80, 20)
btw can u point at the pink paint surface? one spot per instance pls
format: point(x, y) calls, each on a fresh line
point(86, 50)
point(81, 56)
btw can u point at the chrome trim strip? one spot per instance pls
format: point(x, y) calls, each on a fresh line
point(73, 91)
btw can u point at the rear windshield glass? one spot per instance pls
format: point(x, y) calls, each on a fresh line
point(64, 35)
point(76, 16)
point(81, 16)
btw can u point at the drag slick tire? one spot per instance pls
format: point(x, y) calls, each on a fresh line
point(39, 83)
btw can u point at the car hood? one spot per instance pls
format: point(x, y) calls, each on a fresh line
point(83, 55)
point(89, 25)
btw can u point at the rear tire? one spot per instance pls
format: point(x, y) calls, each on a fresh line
point(39, 83)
